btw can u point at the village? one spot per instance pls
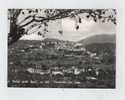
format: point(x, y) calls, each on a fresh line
point(59, 62)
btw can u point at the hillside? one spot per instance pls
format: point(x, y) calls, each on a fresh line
point(99, 39)
point(99, 47)
point(68, 65)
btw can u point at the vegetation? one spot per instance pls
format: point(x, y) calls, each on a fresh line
point(30, 66)
point(39, 18)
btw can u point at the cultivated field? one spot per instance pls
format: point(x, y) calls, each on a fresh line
point(32, 66)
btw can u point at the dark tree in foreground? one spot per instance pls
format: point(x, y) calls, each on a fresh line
point(39, 18)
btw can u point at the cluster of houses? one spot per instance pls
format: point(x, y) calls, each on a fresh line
point(90, 72)
point(57, 44)
point(70, 48)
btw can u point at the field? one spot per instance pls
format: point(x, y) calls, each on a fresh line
point(32, 66)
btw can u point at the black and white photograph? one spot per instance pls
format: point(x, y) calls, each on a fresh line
point(62, 48)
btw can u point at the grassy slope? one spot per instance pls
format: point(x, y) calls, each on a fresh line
point(48, 58)
point(99, 39)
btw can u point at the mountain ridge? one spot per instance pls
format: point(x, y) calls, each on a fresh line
point(103, 38)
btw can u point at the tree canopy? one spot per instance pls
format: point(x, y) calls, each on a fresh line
point(40, 18)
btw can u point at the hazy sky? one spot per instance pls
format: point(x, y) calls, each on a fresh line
point(67, 25)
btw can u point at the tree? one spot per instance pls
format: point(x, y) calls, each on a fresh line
point(39, 18)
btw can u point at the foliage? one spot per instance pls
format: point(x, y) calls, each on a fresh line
point(19, 60)
point(39, 18)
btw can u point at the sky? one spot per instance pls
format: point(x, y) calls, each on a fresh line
point(67, 25)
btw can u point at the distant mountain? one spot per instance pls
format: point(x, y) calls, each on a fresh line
point(50, 40)
point(104, 38)
point(56, 40)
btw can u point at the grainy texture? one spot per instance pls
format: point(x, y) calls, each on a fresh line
point(57, 63)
